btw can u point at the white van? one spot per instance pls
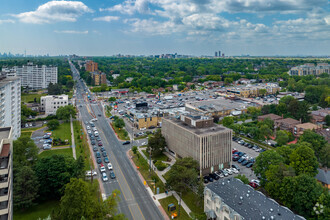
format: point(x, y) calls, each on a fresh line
point(96, 133)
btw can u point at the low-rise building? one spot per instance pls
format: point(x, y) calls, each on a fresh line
point(325, 133)
point(146, 119)
point(287, 124)
point(91, 66)
point(300, 128)
point(50, 104)
point(231, 199)
point(6, 173)
point(272, 117)
point(198, 137)
point(219, 107)
point(253, 90)
point(309, 69)
point(323, 176)
point(319, 115)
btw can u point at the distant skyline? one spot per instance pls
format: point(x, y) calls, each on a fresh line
point(149, 27)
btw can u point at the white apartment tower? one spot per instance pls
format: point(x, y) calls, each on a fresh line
point(50, 103)
point(10, 104)
point(33, 76)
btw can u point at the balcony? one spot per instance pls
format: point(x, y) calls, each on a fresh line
point(4, 208)
point(4, 162)
point(4, 195)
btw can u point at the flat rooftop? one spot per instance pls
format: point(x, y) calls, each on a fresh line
point(4, 132)
point(6, 80)
point(220, 104)
point(216, 128)
point(250, 203)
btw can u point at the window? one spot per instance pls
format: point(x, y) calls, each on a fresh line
point(145, 119)
point(150, 118)
point(217, 209)
point(208, 202)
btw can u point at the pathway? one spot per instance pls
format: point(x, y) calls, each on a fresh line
point(72, 140)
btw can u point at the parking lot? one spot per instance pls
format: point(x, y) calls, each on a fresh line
point(37, 137)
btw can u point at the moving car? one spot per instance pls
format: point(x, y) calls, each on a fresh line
point(99, 160)
point(110, 166)
point(104, 154)
point(126, 142)
point(102, 168)
point(106, 160)
point(95, 149)
point(112, 175)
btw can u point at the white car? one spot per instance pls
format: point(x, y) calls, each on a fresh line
point(104, 177)
point(256, 182)
point(89, 173)
point(110, 166)
point(89, 131)
point(94, 129)
point(102, 169)
point(88, 127)
point(229, 171)
point(46, 146)
point(234, 170)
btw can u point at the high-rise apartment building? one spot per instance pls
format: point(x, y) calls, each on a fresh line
point(6, 173)
point(310, 69)
point(10, 104)
point(33, 76)
point(91, 66)
point(198, 137)
point(216, 54)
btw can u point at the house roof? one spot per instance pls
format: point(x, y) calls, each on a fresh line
point(249, 203)
point(271, 116)
point(307, 126)
point(323, 176)
point(290, 121)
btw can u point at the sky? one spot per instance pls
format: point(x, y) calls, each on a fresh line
point(150, 27)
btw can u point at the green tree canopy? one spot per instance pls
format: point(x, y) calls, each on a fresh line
point(227, 121)
point(53, 124)
point(156, 143)
point(317, 141)
point(64, 112)
point(303, 160)
point(25, 152)
point(281, 137)
point(119, 122)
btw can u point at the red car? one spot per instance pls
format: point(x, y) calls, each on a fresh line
point(234, 150)
point(100, 144)
point(253, 184)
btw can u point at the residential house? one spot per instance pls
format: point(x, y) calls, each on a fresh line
point(300, 128)
point(287, 124)
point(271, 116)
point(323, 176)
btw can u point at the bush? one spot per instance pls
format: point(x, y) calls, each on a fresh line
point(160, 165)
point(134, 149)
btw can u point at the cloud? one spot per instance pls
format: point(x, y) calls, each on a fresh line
point(54, 11)
point(130, 7)
point(71, 32)
point(106, 18)
point(7, 21)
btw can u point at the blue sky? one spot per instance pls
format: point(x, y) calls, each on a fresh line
point(195, 27)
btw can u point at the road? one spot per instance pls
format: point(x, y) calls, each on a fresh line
point(135, 201)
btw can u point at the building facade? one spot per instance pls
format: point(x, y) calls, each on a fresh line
point(91, 66)
point(310, 69)
point(231, 199)
point(34, 76)
point(249, 91)
point(198, 137)
point(49, 104)
point(6, 173)
point(10, 104)
point(99, 78)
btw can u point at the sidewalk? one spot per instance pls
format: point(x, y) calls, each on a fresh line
point(160, 175)
point(72, 140)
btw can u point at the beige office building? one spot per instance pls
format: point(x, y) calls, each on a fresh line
point(198, 137)
point(6, 173)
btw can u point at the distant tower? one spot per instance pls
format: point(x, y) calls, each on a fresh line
point(216, 54)
point(223, 55)
point(25, 53)
point(219, 53)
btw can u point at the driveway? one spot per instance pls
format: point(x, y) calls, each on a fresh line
point(37, 137)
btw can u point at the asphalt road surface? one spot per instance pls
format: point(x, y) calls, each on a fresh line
point(135, 201)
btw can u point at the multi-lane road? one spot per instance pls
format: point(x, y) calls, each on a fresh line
point(136, 202)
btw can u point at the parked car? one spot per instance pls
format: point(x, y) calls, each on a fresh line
point(104, 177)
point(244, 163)
point(112, 175)
point(104, 154)
point(235, 170)
point(214, 176)
point(236, 167)
point(97, 154)
point(99, 160)
point(102, 149)
point(98, 138)
point(89, 173)
point(249, 165)
point(256, 181)
point(205, 180)
point(106, 160)
point(95, 149)
point(100, 143)
point(253, 184)
point(93, 142)
point(102, 168)
point(46, 146)
point(126, 142)
point(242, 159)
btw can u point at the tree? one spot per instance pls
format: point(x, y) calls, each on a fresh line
point(263, 162)
point(254, 112)
point(286, 99)
point(53, 124)
point(317, 141)
point(285, 151)
point(80, 167)
point(156, 143)
point(69, 84)
point(300, 193)
point(327, 120)
point(303, 160)
point(134, 149)
point(183, 174)
point(80, 201)
point(53, 173)
point(262, 92)
point(281, 109)
point(64, 112)
point(25, 187)
point(281, 137)
point(227, 121)
point(325, 156)
point(54, 89)
point(112, 99)
point(25, 152)
point(228, 81)
point(119, 122)
point(104, 87)
point(243, 178)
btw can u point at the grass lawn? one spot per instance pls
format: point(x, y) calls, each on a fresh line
point(121, 133)
point(107, 111)
point(144, 170)
point(63, 132)
point(66, 151)
point(26, 134)
point(38, 211)
point(82, 147)
point(161, 157)
point(171, 199)
point(190, 198)
point(30, 97)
